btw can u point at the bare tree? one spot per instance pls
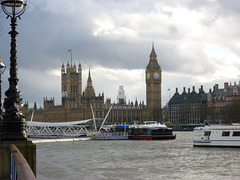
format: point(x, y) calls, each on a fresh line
point(231, 113)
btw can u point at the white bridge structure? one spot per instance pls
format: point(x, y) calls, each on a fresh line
point(57, 129)
point(62, 129)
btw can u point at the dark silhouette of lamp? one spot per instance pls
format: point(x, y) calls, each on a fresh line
point(13, 124)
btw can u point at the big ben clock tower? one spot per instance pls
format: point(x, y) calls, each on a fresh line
point(153, 87)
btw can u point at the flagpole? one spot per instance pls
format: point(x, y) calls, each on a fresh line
point(71, 55)
point(70, 50)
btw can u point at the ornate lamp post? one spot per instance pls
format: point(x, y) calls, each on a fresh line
point(13, 124)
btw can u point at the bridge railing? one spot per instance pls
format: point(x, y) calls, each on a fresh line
point(20, 169)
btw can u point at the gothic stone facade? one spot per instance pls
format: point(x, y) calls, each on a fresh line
point(76, 105)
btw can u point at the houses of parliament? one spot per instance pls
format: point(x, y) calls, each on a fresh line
point(78, 104)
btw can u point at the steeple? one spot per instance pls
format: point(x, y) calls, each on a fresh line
point(89, 91)
point(153, 55)
point(153, 58)
point(89, 81)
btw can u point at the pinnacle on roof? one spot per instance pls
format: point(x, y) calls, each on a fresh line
point(153, 53)
point(89, 81)
point(153, 58)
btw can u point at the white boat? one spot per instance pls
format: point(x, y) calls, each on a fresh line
point(151, 130)
point(151, 124)
point(217, 136)
point(110, 136)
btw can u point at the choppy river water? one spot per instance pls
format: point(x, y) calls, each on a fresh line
point(136, 160)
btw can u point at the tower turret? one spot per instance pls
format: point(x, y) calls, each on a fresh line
point(71, 88)
point(153, 86)
point(79, 67)
point(63, 68)
point(121, 95)
point(67, 69)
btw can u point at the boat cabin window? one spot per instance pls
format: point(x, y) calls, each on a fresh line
point(236, 133)
point(149, 122)
point(225, 133)
point(198, 133)
point(207, 133)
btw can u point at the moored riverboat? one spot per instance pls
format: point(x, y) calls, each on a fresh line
point(217, 136)
point(151, 130)
point(110, 136)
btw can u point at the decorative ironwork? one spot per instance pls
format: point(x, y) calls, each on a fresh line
point(13, 124)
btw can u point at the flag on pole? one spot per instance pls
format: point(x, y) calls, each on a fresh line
point(70, 50)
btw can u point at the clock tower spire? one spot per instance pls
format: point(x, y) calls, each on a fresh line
point(153, 86)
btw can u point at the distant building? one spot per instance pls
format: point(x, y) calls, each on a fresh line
point(76, 104)
point(121, 97)
point(192, 107)
point(138, 111)
point(188, 108)
point(127, 113)
point(219, 99)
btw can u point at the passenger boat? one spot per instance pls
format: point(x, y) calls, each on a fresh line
point(151, 130)
point(111, 132)
point(217, 136)
point(110, 136)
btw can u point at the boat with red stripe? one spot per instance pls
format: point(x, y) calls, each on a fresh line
point(151, 130)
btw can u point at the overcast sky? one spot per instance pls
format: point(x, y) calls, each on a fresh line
point(197, 43)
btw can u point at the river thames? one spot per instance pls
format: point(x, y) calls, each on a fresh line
point(137, 160)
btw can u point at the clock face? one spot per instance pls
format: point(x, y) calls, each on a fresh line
point(156, 75)
point(148, 75)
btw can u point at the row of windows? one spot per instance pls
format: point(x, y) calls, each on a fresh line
point(185, 111)
point(99, 114)
point(224, 133)
point(74, 89)
point(198, 101)
point(125, 113)
point(127, 107)
point(227, 133)
point(219, 105)
point(188, 121)
point(178, 106)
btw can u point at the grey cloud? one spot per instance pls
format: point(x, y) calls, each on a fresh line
point(46, 32)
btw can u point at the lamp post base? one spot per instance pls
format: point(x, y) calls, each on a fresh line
point(13, 130)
